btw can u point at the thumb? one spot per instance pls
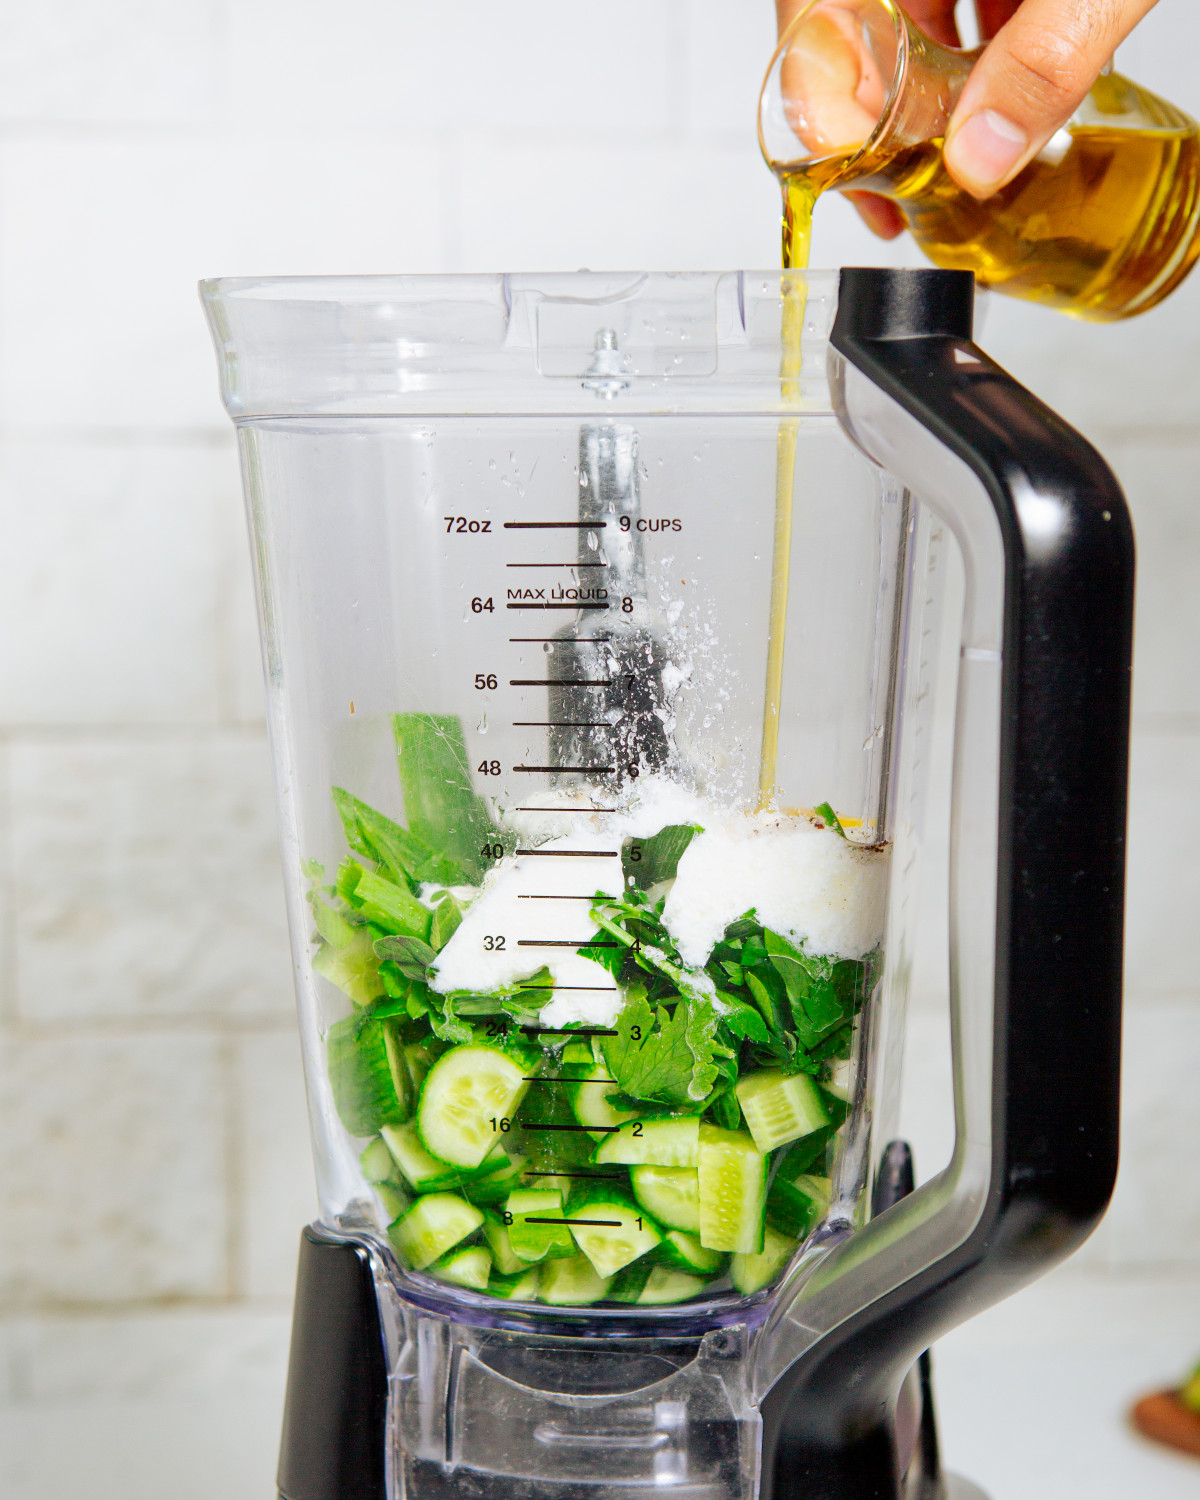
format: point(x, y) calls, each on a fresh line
point(1030, 80)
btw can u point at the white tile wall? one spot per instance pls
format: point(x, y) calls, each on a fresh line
point(153, 1149)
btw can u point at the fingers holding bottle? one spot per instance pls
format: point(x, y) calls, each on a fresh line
point(1030, 80)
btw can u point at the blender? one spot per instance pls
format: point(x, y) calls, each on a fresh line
point(600, 751)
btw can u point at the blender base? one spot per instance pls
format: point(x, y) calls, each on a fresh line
point(335, 1427)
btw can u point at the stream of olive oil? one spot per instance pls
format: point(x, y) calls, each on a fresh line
point(797, 240)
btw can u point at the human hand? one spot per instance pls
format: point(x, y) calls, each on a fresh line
point(1042, 58)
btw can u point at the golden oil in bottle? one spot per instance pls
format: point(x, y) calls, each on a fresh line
point(1104, 224)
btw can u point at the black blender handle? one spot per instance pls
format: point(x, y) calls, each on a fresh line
point(904, 342)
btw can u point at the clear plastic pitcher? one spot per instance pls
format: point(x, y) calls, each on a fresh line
point(601, 754)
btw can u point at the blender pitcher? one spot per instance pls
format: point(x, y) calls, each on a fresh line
point(599, 681)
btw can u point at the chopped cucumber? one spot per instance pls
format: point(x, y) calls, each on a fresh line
point(493, 1184)
point(360, 1077)
point(665, 1285)
point(394, 1199)
point(433, 1225)
point(353, 968)
point(733, 1183)
point(654, 1143)
point(611, 1233)
point(629, 1283)
point(377, 1163)
point(401, 1078)
point(840, 1075)
point(418, 1059)
point(669, 1194)
point(470, 1268)
point(468, 1095)
point(780, 1109)
point(508, 1262)
point(424, 1173)
point(750, 1273)
point(522, 1287)
point(533, 1241)
point(795, 1205)
point(571, 1282)
point(684, 1252)
point(589, 1100)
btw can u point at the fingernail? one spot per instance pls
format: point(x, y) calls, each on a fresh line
point(983, 151)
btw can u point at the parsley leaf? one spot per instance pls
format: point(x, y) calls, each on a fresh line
point(650, 1057)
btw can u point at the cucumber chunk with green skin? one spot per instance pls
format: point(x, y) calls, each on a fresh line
point(654, 1143)
point(750, 1273)
point(795, 1206)
point(432, 1227)
point(684, 1252)
point(523, 1287)
point(360, 1076)
point(628, 1284)
point(492, 1187)
point(589, 1100)
point(779, 1109)
point(733, 1191)
point(401, 1079)
point(534, 1241)
point(572, 1282)
point(612, 1233)
point(354, 968)
point(395, 1201)
point(423, 1172)
point(665, 1285)
point(468, 1096)
point(508, 1262)
point(470, 1268)
point(669, 1194)
point(377, 1162)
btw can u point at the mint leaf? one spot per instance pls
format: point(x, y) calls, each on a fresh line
point(650, 1058)
point(440, 802)
point(447, 916)
point(410, 955)
point(830, 819)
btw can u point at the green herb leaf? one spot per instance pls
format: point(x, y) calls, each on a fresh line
point(411, 955)
point(743, 1021)
point(403, 854)
point(440, 802)
point(647, 862)
point(650, 1057)
point(830, 819)
point(447, 915)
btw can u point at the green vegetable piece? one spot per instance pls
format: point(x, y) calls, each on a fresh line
point(377, 1163)
point(354, 968)
point(385, 843)
point(630, 1282)
point(467, 1103)
point(447, 917)
point(669, 1194)
point(779, 1109)
point(470, 1268)
point(531, 1239)
point(796, 1203)
point(612, 1232)
point(571, 1282)
point(665, 1285)
point(411, 955)
point(391, 906)
point(508, 1262)
point(393, 1198)
point(733, 1183)
point(654, 1143)
point(752, 1271)
point(523, 1287)
point(590, 1098)
point(332, 925)
point(685, 1252)
point(361, 1077)
point(650, 861)
point(830, 819)
point(650, 1057)
point(423, 1173)
point(440, 802)
point(433, 1226)
point(492, 1187)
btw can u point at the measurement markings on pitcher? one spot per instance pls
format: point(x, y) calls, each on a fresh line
point(555, 525)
